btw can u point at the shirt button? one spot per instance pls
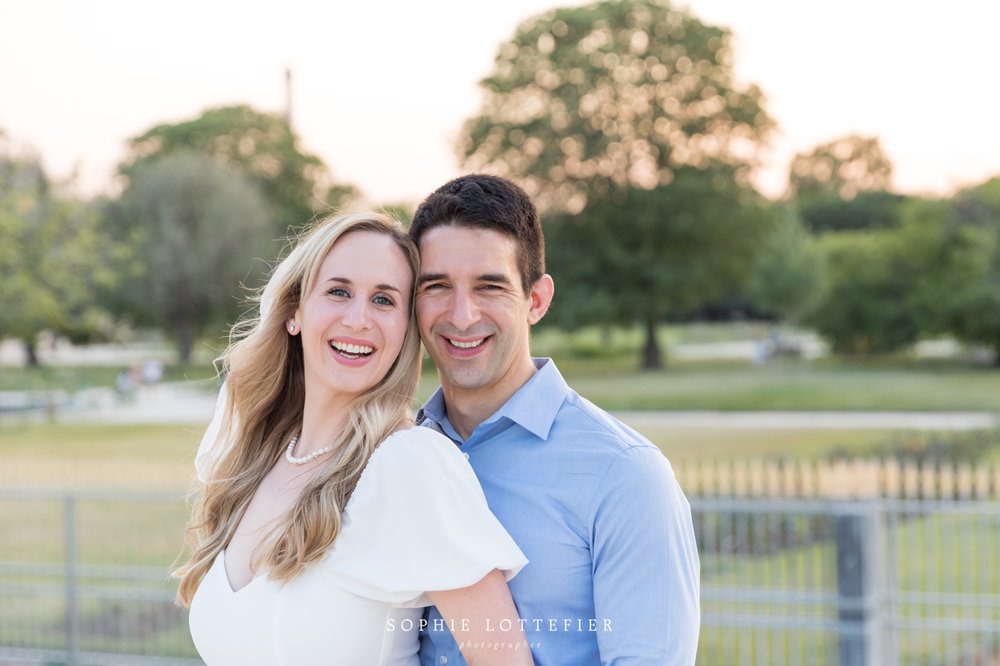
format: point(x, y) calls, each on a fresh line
point(466, 455)
point(443, 659)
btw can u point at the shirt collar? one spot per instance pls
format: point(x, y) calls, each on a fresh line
point(534, 406)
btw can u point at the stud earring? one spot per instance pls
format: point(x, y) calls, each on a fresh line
point(291, 328)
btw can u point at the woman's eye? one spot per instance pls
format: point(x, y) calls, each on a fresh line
point(338, 291)
point(383, 300)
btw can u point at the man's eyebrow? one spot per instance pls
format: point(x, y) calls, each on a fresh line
point(493, 277)
point(485, 277)
point(430, 277)
point(347, 281)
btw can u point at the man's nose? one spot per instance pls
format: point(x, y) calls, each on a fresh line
point(464, 311)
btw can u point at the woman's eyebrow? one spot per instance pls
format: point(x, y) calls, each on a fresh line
point(347, 281)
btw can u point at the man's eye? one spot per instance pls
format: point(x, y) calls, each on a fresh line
point(432, 286)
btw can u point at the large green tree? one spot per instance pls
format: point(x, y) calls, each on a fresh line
point(262, 146)
point(200, 233)
point(656, 254)
point(51, 256)
point(623, 120)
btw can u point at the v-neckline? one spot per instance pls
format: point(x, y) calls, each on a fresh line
point(263, 574)
point(229, 582)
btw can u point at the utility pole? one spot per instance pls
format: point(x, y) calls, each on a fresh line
point(288, 96)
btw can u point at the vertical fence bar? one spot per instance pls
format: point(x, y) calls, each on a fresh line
point(859, 586)
point(890, 569)
point(72, 616)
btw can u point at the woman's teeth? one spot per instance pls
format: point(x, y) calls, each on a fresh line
point(352, 350)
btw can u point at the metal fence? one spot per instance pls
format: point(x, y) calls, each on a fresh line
point(849, 582)
point(83, 580)
point(848, 478)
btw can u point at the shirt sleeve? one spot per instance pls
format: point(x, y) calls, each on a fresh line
point(646, 567)
point(418, 522)
point(214, 442)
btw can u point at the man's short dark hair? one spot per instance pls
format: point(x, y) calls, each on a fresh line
point(487, 202)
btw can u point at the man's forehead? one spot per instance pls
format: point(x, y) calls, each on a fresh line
point(447, 239)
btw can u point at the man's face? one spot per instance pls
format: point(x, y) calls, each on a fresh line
point(473, 315)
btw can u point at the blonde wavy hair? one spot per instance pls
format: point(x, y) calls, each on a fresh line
point(266, 392)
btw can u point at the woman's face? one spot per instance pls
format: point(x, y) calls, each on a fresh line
point(354, 319)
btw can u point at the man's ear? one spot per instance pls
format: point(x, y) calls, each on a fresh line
point(541, 297)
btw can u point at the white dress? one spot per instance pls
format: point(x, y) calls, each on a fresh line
point(417, 521)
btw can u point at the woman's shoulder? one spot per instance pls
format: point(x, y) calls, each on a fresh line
point(416, 443)
point(415, 453)
point(418, 496)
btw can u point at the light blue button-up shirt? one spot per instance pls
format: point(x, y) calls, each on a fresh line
point(613, 572)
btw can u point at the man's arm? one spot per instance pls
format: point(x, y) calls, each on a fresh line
point(646, 569)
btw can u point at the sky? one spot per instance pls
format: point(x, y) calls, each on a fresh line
point(380, 90)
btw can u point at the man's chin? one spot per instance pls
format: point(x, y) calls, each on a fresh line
point(464, 379)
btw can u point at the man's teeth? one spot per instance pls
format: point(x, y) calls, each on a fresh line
point(352, 349)
point(467, 345)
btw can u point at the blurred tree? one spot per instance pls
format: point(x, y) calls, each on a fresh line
point(260, 145)
point(199, 229)
point(872, 301)
point(843, 185)
point(788, 274)
point(403, 212)
point(50, 257)
point(868, 210)
point(971, 306)
point(845, 167)
point(626, 112)
point(650, 255)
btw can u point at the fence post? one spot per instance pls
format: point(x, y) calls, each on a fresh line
point(72, 617)
point(860, 585)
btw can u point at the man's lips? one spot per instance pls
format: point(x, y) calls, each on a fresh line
point(465, 347)
point(466, 344)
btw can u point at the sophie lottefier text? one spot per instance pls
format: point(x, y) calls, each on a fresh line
point(533, 624)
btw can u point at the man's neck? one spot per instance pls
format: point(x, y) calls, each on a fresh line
point(467, 408)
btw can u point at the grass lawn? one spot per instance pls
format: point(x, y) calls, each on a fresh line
point(98, 456)
point(787, 385)
point(713, 443)
point(782, 386)
point(162, 456)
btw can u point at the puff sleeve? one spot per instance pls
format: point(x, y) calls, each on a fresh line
point(214, 442)
point(418, 521)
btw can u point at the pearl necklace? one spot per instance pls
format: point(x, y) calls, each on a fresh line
point(304, 459)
